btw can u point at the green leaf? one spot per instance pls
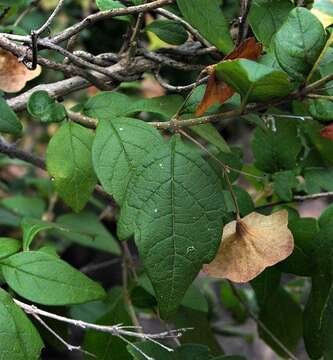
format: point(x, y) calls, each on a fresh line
point(183, 205)
point(106, 105)
point(25, 205)
point(31, 227)
point(324, 146)
point(47, 280)
point(19, 340)
point(284, 183)
point(118, 149)
point(327, 327)
point(69, 162)
point(277, 147)
point(86, 229)
point(318, 179)
point(253, 81)
point(326, 216)
point(105, 5)
point(209, 133)
point(83, 228)
point(313, 315)
point(45, 108)
point(279, 312)
point(207, 17)
point(9, 122)
point(106, 346)
point(9, 247)
point(322, 280)
point(169, 31)
point(321, 109)
point(300, 262)
point(266, 17)
point(297, 54)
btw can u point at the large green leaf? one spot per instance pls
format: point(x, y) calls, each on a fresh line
point(180, 227)
point(254, 81)
point(119, 147)
point(9, 122)
point(69, 162)
point(266, 17)
point(19, 340)
point(207, 17)
point(299, 43)
point(47, 280)
point(276, 148)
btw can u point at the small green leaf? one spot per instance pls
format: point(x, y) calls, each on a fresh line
point(9, 122)
point(68, 160)
point(284, 183)
point(276, 148)
point(326, 216)
point(45, 108)
point(119, 148)
point(47, 280)
point(266, 17)
point(169, 31)
point(318, 179)
point(207, 17)
point(105, 5)
point(298, 53)
point(9, 247)
point(321, 109)
point(183, 205)
point(19, 340)
point(254, 81)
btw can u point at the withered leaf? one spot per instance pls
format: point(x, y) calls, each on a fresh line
point(217, 91)
point(250, 245)
point(13, 74)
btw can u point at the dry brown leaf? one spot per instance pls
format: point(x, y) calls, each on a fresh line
point(217, 91)
point(250, 245)
point(13, 74)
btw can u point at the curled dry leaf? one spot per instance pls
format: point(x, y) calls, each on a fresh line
point(250, 245)
point(13, 74)
point(216, 90)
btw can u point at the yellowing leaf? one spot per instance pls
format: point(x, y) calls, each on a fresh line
point(323, 9)
point(250, 245)
point(13, 74)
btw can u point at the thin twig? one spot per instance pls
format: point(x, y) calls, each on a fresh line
point(57, 336)
point(114, 330)
point(242, 21)
point(51, 18)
